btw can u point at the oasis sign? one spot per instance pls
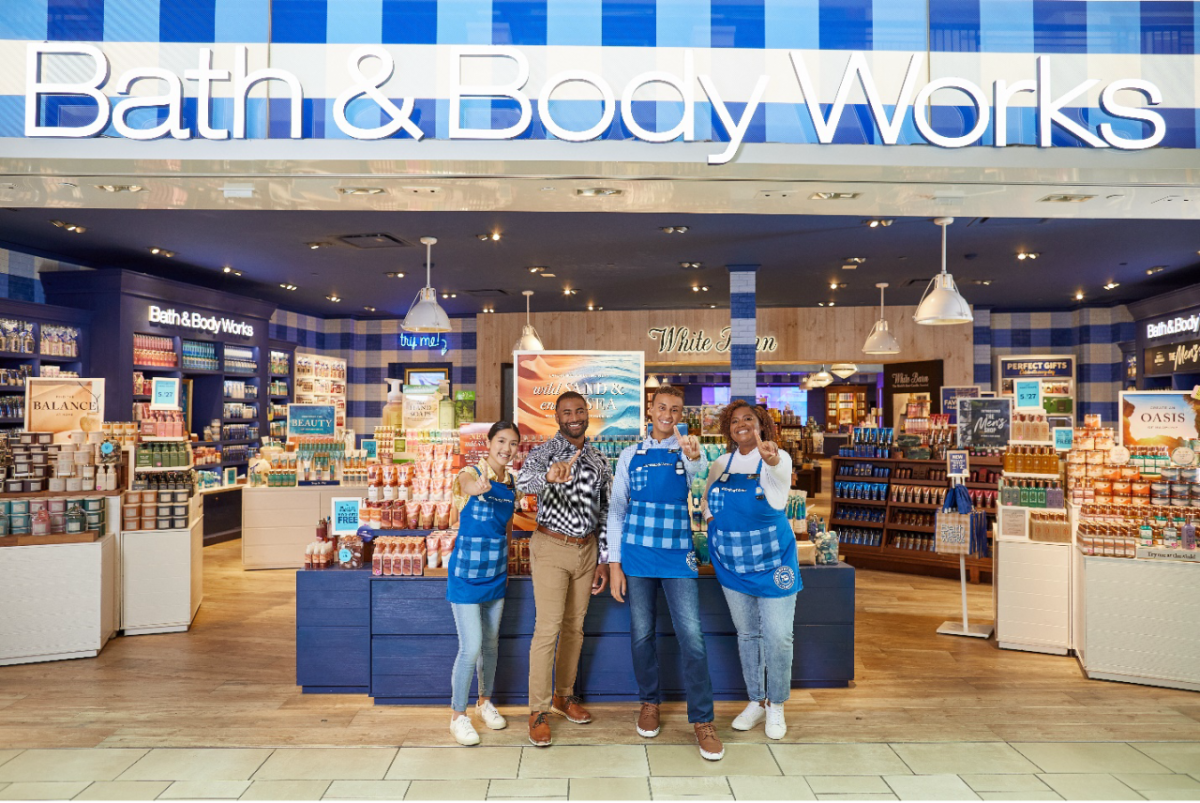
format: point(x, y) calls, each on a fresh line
point(369, 68)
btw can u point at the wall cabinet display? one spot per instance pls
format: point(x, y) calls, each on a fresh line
point(37, 340)
point(1056, 375)
point(322, 380)
point(846, 406)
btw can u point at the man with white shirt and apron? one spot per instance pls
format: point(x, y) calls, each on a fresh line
point(650, 546)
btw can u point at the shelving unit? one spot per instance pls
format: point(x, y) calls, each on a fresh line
point(844, 402)
point(37, 326)
point(888, 555)
point(321, 380)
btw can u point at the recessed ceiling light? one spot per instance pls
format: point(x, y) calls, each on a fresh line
point(691, 265)
point(548, 275)
point(161, 252)
point(833, 285)
point(1027, 255)
point(674, 229)
point(287, 286)
point(568, 291)
point(315, 245)
point(591, 307)
point(833, 196)
point(334, 299)
point(831, 303)
point(598, 192)
point(231, 271)
point(856, 260)
point(1079, 295)
point(394, 274)
point(493, 236)
point(1112, 285)
point(547, 189)
point(712, 306)
point(361, 190)
point(820, 303)
point(1065, 198)
point(118, 187)
point(1155, 269)
point(984, 282)
point(71, 227)
point(849, 266)
point(369, 309)
point(449, 295)
point(536, 268)
point(876, 223)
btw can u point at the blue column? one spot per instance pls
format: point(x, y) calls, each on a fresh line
point(743, 366)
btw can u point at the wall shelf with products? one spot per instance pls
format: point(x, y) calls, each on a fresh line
point(321, 380)
point(37, 340)
point(892, 526)
point(846, 405)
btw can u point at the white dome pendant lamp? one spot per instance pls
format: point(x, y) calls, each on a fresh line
point(529, 340)
point(880, 341)
point(844, 370)
point(652, 382)
point(821, 379)
point(942, 305)
point(426, 314)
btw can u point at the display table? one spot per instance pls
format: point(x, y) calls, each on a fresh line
point(394, 638)
point(1136, 621)
point(277, 523)
point(59, 601)
point(162, 576)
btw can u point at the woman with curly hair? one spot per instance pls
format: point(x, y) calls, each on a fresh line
point(753, 552)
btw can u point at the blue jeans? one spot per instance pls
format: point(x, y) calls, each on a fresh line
point(683, 600)
point(764, 627)
point(478, 640)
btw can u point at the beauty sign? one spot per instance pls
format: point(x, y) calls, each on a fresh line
point(311, 419)
point(957, 464)
point(344, 515)
point(1028, 393)
point(164, 393)
point(1064, 439)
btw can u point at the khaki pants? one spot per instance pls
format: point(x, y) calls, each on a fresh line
point(562, 588)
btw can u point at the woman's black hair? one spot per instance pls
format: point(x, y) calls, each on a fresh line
point(500, 426)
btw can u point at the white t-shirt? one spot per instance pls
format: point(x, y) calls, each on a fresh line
point(776, 479)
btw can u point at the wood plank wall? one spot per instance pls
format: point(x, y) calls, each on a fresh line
point(804, 335)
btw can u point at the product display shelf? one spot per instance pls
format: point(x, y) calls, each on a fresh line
point(41, 320)
point(887, 555)
point(162, 576)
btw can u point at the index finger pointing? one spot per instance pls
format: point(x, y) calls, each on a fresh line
point(678, 434)
point(574, 457)
point(758, 435)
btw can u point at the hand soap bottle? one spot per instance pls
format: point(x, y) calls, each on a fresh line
point(393, 411)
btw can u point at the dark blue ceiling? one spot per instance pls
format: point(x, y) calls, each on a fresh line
point(618, 261)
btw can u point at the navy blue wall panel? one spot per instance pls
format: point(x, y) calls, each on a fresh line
point(397, 636)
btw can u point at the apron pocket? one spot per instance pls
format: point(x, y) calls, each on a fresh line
point(745, 551)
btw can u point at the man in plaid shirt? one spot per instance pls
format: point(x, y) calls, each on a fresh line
point(650, 545)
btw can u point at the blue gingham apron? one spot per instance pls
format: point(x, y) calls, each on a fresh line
point(478, 566)
point(657, 538)
point(751, 543)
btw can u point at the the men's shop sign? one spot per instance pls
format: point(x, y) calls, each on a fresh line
point(1173, 359)
point(364, 78)
point(984, 422)
point(63, 406)
point(683, 340)
point(1168, 418)
point(610, 381)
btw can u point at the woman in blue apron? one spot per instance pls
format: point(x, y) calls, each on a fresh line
point(753, 551)
point(477, 576)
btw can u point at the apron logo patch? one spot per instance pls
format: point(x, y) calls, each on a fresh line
point(785, 578)
point(693, 562)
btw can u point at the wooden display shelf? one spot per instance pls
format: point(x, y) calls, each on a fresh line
point(916, 505)
point(85, 537)
point(895, 527)
point(58, 494)
point(156, 367)
point(870, 525)
point(871, 502)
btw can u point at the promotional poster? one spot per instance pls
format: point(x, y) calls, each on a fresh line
point(63, 404)
point(611, 381)
point(1168, 418)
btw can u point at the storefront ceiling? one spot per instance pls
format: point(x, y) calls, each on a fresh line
point(618, 261)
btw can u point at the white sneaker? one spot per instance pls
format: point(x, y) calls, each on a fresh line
point(490, 716)
point(464, 731)
point(753, 715)
point(776, 726)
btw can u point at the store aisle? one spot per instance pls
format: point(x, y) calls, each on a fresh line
point(230, 682)
point(873, 771)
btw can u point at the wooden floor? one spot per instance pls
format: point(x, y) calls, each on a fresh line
point(231, 682)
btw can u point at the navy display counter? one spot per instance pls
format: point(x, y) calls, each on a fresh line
point(394, 638)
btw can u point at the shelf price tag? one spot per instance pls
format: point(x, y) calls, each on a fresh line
point(957, 464)
point(164, 393)
point(1028, 393)
point(1064, 439)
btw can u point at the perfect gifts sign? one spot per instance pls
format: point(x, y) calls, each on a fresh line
point(611, 381)
point(62, 406)
point(1168, 418)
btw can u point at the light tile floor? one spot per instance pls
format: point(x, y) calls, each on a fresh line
point(926, 771)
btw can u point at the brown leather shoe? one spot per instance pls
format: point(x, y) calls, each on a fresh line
point(710, 746)
point(571, 708)
point(647, 724)
point(539, 729)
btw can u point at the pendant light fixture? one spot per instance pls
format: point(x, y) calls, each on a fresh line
point(942, 305)
point(529, 340)
point(425, 314)
point(652, 382)
point(844, 370)
point(880, 341)
point(821, 379)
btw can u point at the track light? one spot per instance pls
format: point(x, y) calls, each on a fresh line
point(493, 236)
point(876, 223)
point(1027, 255)
point(161, 252)
point(674, 229)
point(1112, 285)
point(71, 227)
point(334, 299)
point(691, 265)
point(287, 286)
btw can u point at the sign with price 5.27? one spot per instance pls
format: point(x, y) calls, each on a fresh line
point(1028, 393)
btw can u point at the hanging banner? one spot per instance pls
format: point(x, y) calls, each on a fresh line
point(1169, 418)
point(62, 405)
point(611, 381)
point(984, 422)
point(311, 420)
